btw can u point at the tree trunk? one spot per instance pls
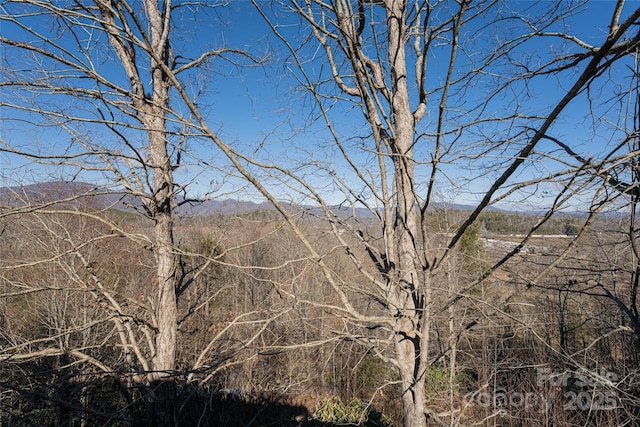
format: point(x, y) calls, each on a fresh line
point(413, 388)
point(166, 311)
point(409, 338)
point(166, 304)
point(152, 113)
point(151, 109)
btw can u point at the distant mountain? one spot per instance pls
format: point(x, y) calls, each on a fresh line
point(223, 207)
point(59, 192)
point(75, 194)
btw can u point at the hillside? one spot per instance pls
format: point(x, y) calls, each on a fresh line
point(81, 194)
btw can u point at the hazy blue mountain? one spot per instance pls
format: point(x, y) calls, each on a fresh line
point(75, 194)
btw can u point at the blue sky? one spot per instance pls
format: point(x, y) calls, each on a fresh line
point(261, 106)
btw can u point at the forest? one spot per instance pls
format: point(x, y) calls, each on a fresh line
point(309, 213)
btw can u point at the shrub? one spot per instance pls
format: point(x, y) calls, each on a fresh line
point(334, 410)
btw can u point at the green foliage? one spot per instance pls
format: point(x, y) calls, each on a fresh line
point(517, 223)
point(371, 371)
point(210, 246)
point(334, 410)
point(472, 249)
point(470, 243)
point(570, 228)
point(438, 380)
point(501, 222)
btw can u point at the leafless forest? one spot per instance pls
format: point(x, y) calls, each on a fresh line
point(357, 292)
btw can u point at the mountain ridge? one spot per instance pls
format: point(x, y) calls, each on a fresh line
point(75, 194)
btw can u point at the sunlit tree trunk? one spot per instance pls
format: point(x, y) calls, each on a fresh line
point(151, 109)
point(163, 197)
point(411, 69)
point(407, 288)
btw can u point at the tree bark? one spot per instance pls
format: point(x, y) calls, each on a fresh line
point(151, 109)
point(166, 310)
point(407, 286)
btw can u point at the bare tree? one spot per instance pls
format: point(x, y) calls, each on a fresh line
point(59, 70)
point(425, 116)
point(410, 93)
point(437, 86)
point(94, 78)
